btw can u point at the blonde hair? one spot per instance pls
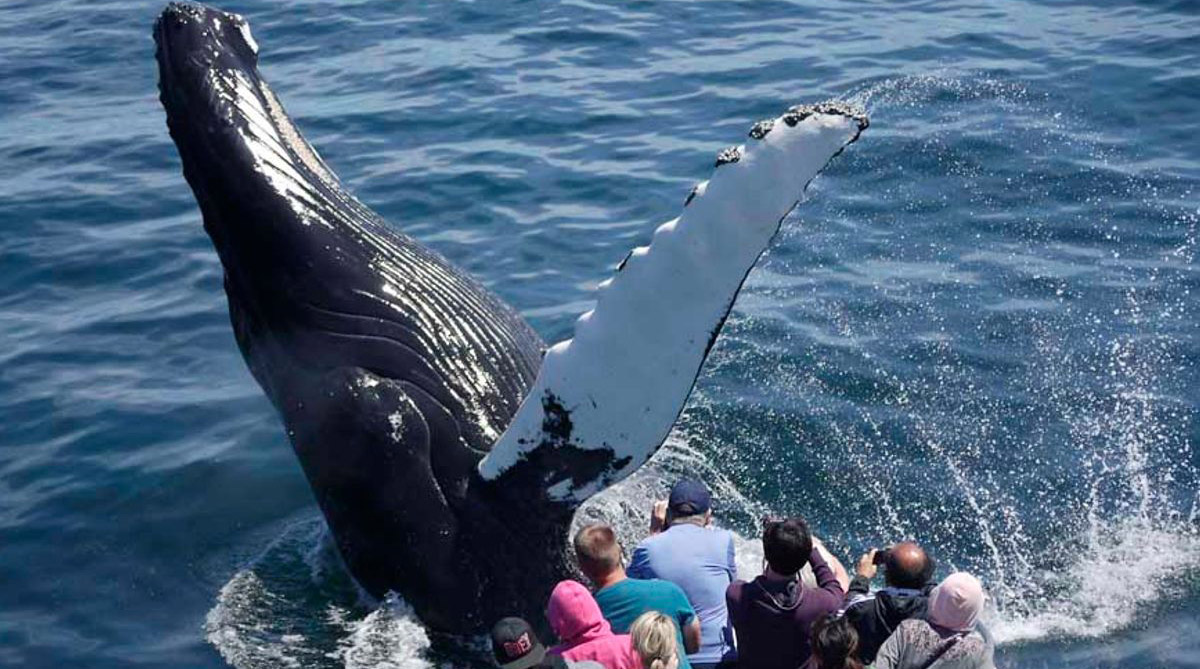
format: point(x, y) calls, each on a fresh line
point(653, 638)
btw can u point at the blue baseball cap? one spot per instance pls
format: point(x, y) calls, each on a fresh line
point(689, 497)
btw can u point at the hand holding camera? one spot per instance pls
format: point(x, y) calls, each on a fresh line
point(658, 516)
point(868, 564)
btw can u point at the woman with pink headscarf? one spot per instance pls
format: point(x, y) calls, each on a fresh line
point(583, 632)
point(948, 638)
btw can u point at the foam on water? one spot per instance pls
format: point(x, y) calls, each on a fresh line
point(1132, 568)
point(294, 606)
point(390, 637)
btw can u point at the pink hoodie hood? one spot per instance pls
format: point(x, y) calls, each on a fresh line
point(575, 617)
point(574, 614)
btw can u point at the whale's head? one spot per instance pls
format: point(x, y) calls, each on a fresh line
point(195, 42)
point(316, 281)
point(198, 32)
point(260, 186)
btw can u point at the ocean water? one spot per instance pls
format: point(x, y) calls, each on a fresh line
point(980, 332)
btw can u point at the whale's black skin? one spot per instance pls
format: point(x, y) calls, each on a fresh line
point(393, 371)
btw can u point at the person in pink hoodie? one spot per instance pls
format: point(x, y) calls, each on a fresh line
point(584, 633)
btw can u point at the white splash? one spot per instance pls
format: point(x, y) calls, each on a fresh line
point(1108, 585)
point(230, 625)
point(390, 637)
point(264, 616)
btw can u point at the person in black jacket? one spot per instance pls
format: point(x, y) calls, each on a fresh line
point(907, 574)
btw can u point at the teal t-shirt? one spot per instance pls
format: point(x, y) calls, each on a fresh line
point(621, 604)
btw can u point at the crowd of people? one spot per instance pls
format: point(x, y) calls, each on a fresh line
point(679, 604)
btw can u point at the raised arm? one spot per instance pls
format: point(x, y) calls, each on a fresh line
point(839, 571)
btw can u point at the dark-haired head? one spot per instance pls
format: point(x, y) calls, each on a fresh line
point(908, 566)
point(787, 545)
point(834, 644)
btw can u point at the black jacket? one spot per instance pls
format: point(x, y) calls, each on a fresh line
point(875, 616)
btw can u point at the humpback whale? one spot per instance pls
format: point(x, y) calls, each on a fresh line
point(446, 446)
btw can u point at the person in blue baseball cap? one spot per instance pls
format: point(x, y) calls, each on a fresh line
point(685, 548)
point(690, 500)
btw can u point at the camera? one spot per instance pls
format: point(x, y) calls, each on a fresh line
point(881, 556)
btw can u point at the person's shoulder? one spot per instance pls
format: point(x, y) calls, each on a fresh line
point(975, 645)
point(635, 587)
point(615, 591)
point(825, 598)
point(720, 536)
point(734, 590)
point(662, 587)
point(653, 539)
point(666, 593)
point(694, 533)
point(856, 607)
point(665, 538)
point(674, 589)
point(656, 543)
point(913, 626)
point(642, 550)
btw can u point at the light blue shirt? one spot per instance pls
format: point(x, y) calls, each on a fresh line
point(700, 560)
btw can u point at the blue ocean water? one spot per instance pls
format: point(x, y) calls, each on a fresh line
point(980, 331)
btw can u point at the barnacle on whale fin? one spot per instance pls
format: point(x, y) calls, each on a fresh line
point(850, 110)
point(761, 128)
point(730, 155)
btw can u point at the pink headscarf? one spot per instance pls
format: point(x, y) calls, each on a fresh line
point(585, 634)
point(955, 604)
point(575, 616)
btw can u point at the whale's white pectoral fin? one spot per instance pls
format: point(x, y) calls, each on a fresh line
point(605, 400)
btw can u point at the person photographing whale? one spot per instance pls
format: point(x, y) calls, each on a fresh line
point(907, 572)
point(773, 615)
point(686, 549)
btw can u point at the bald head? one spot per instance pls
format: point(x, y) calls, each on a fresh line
point(597, 551)
point(908, 566)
